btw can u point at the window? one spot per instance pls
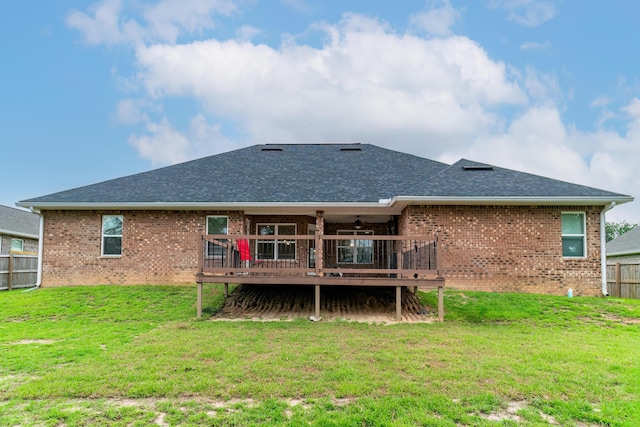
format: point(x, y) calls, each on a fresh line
point(281, 248)
point(216, 225)
point(17, 245)
point(112, 235)
point(573, 235)
point(355, 251)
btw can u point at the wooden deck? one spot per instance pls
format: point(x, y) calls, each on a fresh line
point(316, 260)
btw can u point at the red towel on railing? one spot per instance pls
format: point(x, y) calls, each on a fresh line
point(243, 248)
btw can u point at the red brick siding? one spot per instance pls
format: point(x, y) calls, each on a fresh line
point(508, 248)
point(157, 247)
point(483, 247)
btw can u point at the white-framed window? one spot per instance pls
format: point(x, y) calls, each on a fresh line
point(281, 248)
point(355, 251)
point(112, 235)
point(574, 236)
point(17, 245)
point(216, 224)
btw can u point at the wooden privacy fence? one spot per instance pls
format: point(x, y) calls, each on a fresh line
point(18, 271)
point(623, 280)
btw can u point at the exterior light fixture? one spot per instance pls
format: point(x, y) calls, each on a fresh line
point(358, 223)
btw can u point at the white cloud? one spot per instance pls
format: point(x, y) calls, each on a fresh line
point(170, 18)
point(530, 13)
point(102, 26)
point(247, 32)
point(539, 142)
point(541, 86)
point(436, 20)
point(129, 112)
point(162, 144)
point(365, 83)
point(163, 21)
point(601, 101)
point(535, 46)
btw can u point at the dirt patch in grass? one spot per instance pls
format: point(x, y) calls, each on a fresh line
point(361, 304)
point(25, 342)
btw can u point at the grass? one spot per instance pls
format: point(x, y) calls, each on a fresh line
point(134, 356)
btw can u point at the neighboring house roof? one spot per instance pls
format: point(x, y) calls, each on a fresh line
point(330, 174)
point(19, 223)
point(625, 244)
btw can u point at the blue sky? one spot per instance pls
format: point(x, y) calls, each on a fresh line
point(96, 90)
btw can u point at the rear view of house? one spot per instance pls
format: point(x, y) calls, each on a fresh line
point(294, 213)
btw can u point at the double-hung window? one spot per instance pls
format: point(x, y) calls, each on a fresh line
point(353, 251)
point(112, 235)
point(573, 235)
point(217, 225)
point(279, 248)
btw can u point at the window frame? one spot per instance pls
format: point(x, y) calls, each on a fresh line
point(353, 246)
point(210, 252)
point(574, 235)
point(13, 239)
point(103, 236)
point(276, 242)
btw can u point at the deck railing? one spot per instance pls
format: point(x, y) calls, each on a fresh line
point(320, 255)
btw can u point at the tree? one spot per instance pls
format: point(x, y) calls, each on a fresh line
point(615, 229)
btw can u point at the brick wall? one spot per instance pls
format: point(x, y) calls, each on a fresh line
point(509, 248)
point(483, 248)
point(157, 247)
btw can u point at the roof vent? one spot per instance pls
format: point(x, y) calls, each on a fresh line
point(351, 149)
point(478, 168)
point(272, 149)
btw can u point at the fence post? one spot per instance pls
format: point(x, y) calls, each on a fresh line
point(10, 284)
point(618, 280)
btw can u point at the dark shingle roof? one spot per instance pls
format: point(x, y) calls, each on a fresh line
point(316, 173)
point(19, 222)
point(466, 178)
point(628, 242)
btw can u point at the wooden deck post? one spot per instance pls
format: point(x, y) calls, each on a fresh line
point(319, 244)
point(441, 303)
point(201, 254)
point(317, 303)
point(199, 301)
point(226, 290)
point(438, 255)
point(398, 303)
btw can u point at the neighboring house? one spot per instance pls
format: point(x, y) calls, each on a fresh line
point(625, 248)
point(303, 213)
point(19, 231)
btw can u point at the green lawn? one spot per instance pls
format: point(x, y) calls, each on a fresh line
point(136, 356)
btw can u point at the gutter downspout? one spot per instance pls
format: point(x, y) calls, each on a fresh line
point(40, 250)
point(603, 242)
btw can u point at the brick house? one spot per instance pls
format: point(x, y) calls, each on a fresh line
point(19, 231)
point(341, 212)
point(625, 248)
